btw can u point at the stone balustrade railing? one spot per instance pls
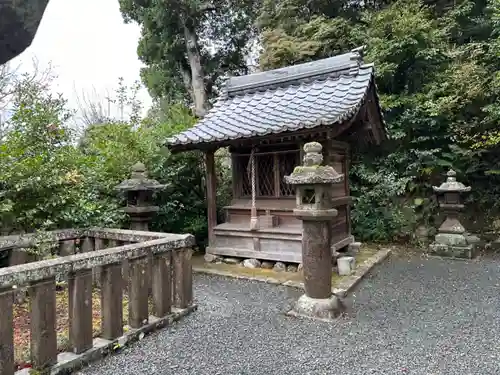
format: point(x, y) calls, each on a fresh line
point(158, 264)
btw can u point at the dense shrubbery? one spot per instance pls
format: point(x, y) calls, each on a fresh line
point(437, 66)
point(52, 178)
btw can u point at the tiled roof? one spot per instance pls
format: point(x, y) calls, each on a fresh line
point(323, 92)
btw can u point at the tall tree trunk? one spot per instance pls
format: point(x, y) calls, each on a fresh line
point(197, 81)
point(186, 79)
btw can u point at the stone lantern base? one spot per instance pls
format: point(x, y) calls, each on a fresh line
point(314, 308)
point(456, 245)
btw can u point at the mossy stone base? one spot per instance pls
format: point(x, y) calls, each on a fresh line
point(464, 252)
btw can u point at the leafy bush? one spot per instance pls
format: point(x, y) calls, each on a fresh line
point(379, 213)
point(50, 178)
point(42, 175)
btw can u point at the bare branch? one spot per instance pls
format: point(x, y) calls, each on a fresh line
point(10, 78)
point(92, 110)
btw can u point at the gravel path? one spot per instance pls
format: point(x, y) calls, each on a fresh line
point(411, 316)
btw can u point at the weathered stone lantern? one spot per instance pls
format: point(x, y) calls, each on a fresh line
point(139, 191)
point(313, 183)
point(452, 238)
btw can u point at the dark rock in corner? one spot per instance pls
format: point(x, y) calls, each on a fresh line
point(211, 258)
point(19, 21)
point(291, 268)
point(267, 265)
point(231, 260)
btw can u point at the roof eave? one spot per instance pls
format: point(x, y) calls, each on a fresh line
point(203, 146)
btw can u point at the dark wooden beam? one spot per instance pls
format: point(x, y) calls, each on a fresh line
point(236, 175)
point(304, 135)
point(276, 171)
point(374, 118)
point(211, 195)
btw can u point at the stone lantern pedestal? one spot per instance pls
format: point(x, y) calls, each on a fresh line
point(313, 184)
point(139, 190)
point(452, 239)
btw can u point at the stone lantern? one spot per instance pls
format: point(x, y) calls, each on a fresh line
point(313, 183)
point(452, 238)
point(139, 191)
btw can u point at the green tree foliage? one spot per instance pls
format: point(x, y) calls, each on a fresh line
point(113, 148)
point(187, 45)
point(43, 179)
point(296, 31)
point(52, 178)
point(437, 68)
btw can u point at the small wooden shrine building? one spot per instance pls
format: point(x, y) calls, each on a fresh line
point(264, 119)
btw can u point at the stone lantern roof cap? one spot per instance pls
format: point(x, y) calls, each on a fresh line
point(312, 172)
point(451, 185)
point(139, 180)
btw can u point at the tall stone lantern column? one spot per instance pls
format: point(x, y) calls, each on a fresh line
point(139, 191)
point(452, 238)
point(313, 184)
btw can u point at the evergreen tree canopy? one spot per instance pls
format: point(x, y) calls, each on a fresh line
point(437, 71)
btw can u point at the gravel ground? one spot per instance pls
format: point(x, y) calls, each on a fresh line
point(411, 316)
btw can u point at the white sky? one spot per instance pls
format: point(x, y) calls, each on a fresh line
point(89, 46)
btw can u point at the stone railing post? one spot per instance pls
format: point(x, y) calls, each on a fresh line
point(314, 208)
point(87, 245)
point(452, 238)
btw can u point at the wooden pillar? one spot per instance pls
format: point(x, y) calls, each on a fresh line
point(138, 293)
point(80, 311)
point(162, 284)
point(347, 162)
point(43, 324)
point(183, 278)
point(211, 195)
point(6, 333)
point(235, 175)
point(67, 247)
point(96, 272)
point(111, 301)
point(87, 245)
point(301, 152)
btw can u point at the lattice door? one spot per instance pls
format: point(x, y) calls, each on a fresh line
point(265, 179)
point(287, 162)
point(245, 173)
